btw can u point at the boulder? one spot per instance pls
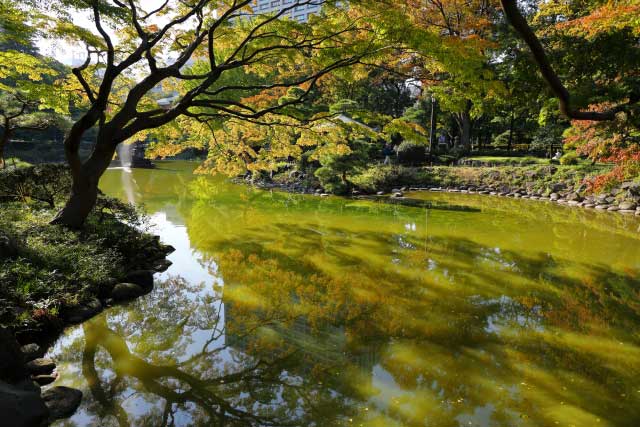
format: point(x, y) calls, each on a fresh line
point(613, 209)
point(142, 278)
point(628, 206)
point(20, 407)
point(40, 366)
point(554, 196)
point(8, 248)
point(168, 249)
point(162, 266)
point(11, 359)
point(83, 311)
point(31, 351)
point(62, 402)
point(44, 379)
point(574, 197)
point(126, 291)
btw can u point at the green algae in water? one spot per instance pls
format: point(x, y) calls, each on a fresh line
point(284, 309)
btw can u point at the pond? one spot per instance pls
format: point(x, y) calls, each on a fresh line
point(283, 309)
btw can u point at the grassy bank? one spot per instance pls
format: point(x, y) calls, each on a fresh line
point(540, 178)
point(47, 271)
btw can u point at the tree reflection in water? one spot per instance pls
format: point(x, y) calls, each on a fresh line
point(332, 312)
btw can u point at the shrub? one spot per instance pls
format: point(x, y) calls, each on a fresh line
point(48, 183)
point(384, 178)
point(411, 153)
point(570, 158)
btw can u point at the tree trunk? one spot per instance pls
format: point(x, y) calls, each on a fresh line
point(465, 130)
point(511, 122)
point(3, 143)
point(84, 190)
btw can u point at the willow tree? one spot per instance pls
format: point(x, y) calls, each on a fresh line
point(133, 51)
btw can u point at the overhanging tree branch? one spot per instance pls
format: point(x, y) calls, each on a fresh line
point(519, 23)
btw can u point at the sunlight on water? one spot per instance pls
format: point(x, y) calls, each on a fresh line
point(283, 309)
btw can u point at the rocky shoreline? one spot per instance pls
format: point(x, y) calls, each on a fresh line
point(624, 199)
point(23, 370)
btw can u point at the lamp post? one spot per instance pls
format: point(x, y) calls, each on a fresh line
point(432, 131)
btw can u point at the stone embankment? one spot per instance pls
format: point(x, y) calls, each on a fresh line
point(623, 200)
point(23, 369)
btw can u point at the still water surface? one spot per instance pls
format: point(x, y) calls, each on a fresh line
point(296, 310)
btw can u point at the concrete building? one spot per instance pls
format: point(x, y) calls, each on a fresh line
point(300, 13)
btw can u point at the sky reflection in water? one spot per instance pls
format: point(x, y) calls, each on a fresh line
point(282, 309)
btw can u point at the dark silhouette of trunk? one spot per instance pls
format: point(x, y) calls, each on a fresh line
point(465, 128)
point(3, 144)
point(6, 135)
point(84, 190)
point(511, 122)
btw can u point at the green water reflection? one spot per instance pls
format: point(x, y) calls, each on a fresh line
point(296, 310)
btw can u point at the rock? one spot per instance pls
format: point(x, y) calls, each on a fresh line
point(628, 206)
point(126, 291)
point(40, 366)
point(573, 197)
point(610, 200)
point(557, 187)
point(554, 196)
point(21, 407)
point(8, 248)
point(31, 351)
point(398, 194)
point(627, 211)
point(168, 249)
point(637, 213)
point(638, 208)
point(162, 266)
point(602, 207)
point(142, 278)
point(83, 311)
point(589, 206)
point(324, 195)
point(380, 193)
point(11, 360)
point(61, 401)
point(613, 209)
point(45, 379)
point(574, 203)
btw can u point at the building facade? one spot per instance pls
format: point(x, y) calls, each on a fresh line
point(300, 13)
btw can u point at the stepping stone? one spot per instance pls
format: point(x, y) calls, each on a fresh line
point(41, 366)
point(61, 401)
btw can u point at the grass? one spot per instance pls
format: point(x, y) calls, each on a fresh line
point(54, 267)
point(500, 160)
point(14, 162)
point(536, 177)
